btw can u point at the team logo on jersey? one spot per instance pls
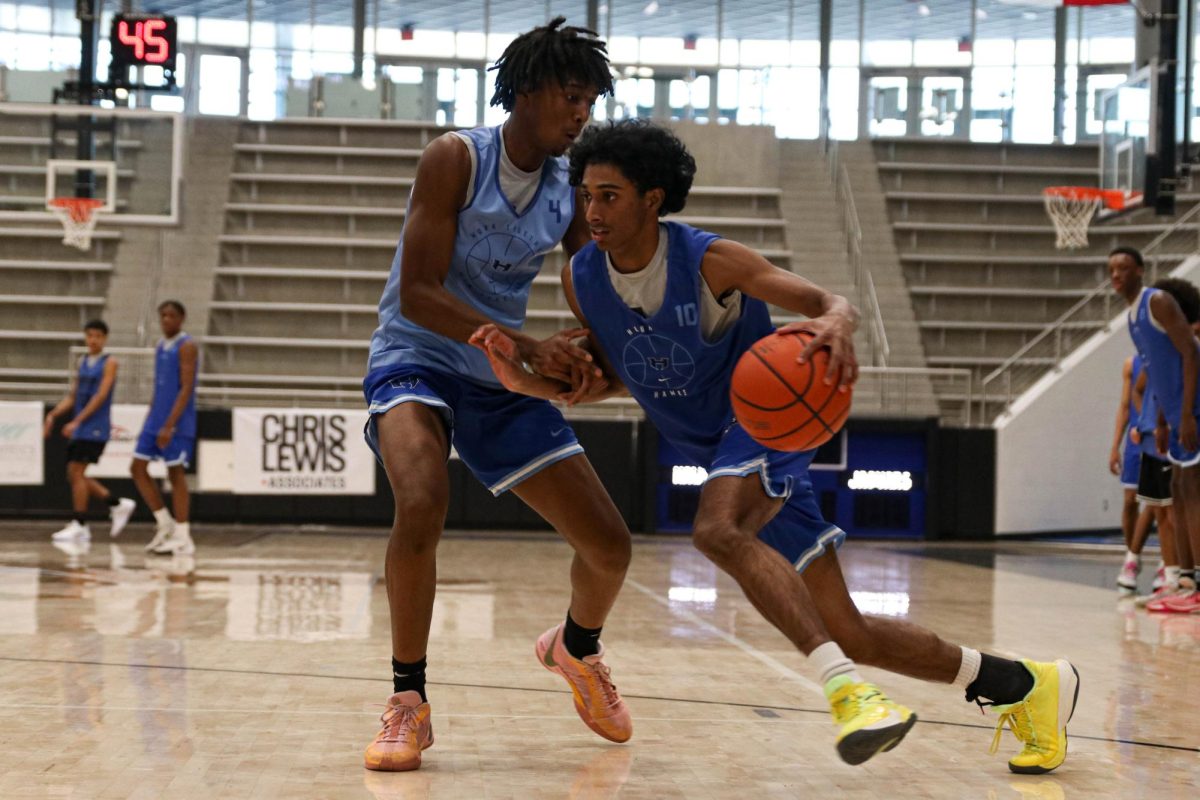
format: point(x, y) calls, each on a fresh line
point(656, 362)
point(494, 262)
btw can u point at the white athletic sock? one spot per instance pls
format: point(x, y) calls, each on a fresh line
point(831, 662)
point(163, 517)
point(968, 668)
point(1132, 556)
point(183, 530)
point(1171, 574)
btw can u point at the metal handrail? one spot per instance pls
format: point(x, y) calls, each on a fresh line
point(864, 283)
point(1056, 327)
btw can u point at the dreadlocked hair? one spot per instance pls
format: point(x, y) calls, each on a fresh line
point(551, 53)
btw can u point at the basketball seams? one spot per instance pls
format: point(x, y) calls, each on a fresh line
point(816, 414)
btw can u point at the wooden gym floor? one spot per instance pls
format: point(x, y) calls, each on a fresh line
point(259, 670)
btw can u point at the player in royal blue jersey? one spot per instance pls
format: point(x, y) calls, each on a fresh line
point(1160, 324)
point(671, 309)
point(90, 404)
point(1125, 461)
point(487, 204)
point(169, 432)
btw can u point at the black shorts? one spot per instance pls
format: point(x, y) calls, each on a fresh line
point(85, 451)
point(1154, 482)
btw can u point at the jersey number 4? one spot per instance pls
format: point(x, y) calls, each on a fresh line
point(555, 208)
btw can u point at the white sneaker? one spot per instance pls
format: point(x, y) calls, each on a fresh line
point(161, 534)
point(72, 531)
point(120, 514)
point(176, 545)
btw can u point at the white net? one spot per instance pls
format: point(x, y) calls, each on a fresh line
point(78, 216)
point(1071, 213)
point(135, 372)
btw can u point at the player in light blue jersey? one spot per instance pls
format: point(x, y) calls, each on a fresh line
point(486, 205)
point(90, 403)
point(1160, 324)
point(671, 309)
point(169, 432)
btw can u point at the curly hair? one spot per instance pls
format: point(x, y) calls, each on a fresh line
point(551, 53)
point(649, 156)
point(1185, 293)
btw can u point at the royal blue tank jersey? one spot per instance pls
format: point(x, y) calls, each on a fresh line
point(1160, 359)
point(497, 254)
point(680, 380)
point(166, 389)
point(98, 426)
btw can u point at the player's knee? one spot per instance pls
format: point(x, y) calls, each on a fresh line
point(613, 555)
point(718, 538)
point(418, 525)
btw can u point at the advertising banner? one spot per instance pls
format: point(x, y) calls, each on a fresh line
point(301, 451)
point(21, 450)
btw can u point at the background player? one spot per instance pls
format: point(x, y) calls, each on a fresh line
point(169, 432)
point(757, 519)
point(485, 205)
point(1154, 492)
point(1125, 460)
point(90, 402)
point(1160, 321)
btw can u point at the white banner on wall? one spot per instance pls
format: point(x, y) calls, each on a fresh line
point(127, 419)
point(301, 451)
point(21, 451)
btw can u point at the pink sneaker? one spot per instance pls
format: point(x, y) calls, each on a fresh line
point(1127, 578)
point(1179, 604)
point(596, 698)
point(1161, 593)
point(407, 730)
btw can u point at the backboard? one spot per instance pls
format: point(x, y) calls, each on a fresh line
point(1127, 139)
point(130, 159)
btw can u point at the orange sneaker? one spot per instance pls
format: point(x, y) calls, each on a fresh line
point(407, 730)
point(596, 698)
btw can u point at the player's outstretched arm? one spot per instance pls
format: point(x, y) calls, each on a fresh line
point(439, 191)
point(1114, 455)
point(832, 319)
point(188, 358)
point(1166, 311)
point(64, 405)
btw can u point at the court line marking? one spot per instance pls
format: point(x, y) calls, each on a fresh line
point(823, 712)
point(748, 649)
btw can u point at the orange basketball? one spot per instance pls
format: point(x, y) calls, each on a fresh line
point(782, 404)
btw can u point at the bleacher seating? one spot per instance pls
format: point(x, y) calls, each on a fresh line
point(314, 213)
point(978, 249)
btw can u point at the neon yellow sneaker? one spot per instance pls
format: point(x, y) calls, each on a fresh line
point(1040, 720)
point(871, 723)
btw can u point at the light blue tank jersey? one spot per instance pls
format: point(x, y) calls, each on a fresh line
point(680, 380)
point(166, 389)
point(1160, 359)
point(98, 426)
point(497, 254)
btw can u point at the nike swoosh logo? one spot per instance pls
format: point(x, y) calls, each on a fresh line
point(548, 658)
point(558, 432)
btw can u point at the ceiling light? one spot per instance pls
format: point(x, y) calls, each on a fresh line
point(980, 14)
point(923, 10)
point(1028, 15)
point(651, 8)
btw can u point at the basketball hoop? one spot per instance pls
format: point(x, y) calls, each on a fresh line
point(78, 216)
point(1071, 209)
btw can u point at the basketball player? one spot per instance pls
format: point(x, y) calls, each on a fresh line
point(485, 206)
point(643, 286)
point(169, 432)
point(1160, 321)
point(1154, 492)
point(90, 402)
point(1125, 460)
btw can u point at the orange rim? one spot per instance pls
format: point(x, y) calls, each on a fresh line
point(1113, 198)
point(80, 208)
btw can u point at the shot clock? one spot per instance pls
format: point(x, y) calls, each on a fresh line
point(142, 40)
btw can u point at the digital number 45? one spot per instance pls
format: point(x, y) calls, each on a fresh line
point(145, 36)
